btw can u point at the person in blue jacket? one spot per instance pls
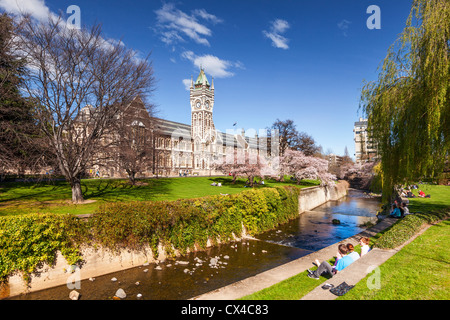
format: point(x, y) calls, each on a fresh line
point(396, 213)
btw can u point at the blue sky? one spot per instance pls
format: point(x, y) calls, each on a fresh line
point(300, 60)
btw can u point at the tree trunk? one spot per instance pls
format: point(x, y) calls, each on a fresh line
point(77, 195)
point(132, 177)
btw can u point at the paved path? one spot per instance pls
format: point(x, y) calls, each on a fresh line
point(358, 270)
point(268, 278)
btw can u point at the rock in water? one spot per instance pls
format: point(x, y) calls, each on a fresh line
point(120, 294)
point(336, 221)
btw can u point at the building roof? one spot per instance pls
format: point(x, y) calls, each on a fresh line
point(177, 129)
point(201, 79)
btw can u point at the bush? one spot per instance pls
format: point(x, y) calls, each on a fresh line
point(182, 224)
point(28, 240)
point(406, 228)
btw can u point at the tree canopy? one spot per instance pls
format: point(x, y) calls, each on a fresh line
point(408, 105)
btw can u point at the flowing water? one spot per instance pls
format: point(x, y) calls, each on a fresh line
point(201, 272)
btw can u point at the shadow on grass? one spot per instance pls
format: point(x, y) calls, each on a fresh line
point(17, 191)
point(123, 190)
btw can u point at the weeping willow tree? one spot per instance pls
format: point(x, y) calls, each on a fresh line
point(408, 107)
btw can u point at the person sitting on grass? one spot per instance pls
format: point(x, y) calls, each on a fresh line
point(405, 209)
point(364, 242)
point(325, 268)
point(352, 253)
point(422, 194)
point(396, 213)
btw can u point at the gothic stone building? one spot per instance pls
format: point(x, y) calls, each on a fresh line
point(183, 149)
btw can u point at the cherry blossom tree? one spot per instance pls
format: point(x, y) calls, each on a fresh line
point(241, 163)
point(361, 175)
point(295, 163)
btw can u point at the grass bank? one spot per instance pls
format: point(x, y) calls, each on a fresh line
point(30, 239)
point(416, 272)
point(419, 271)
point(23, 198)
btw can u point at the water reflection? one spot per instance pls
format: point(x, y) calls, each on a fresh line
point(314, 230)
point(184, 278)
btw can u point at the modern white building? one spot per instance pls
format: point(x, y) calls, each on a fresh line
point(365, 147)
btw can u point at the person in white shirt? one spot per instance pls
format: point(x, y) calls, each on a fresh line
point(364, 242)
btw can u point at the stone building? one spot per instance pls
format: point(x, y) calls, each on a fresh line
point(177, 148)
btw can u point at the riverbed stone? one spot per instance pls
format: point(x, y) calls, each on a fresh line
point(120, 293)
point(74, 295)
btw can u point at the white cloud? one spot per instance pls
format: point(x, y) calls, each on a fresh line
point(280, 26)
point(187, 84)
point(344, 26)
point(277, 27)
point(207, 16)
point(212, 65)
point(174, 25)
point(36, 8)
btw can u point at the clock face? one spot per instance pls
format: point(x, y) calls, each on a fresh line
point(198, 104)
point(207, 105)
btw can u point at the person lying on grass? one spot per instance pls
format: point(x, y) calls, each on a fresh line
point(325, 268)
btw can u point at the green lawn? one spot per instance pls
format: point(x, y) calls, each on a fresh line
point(421, 270)
point(20, 198)
point(439, 200)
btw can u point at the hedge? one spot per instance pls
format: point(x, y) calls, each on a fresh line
point(29, 240)
point(406, 228)
point(181, 224)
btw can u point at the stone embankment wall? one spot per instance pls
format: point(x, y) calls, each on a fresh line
point(100, 261)
point(313, 197)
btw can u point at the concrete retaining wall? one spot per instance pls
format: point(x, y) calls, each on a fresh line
point(313, 197)
point(100, 261)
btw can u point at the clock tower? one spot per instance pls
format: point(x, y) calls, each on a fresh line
point(202, 125)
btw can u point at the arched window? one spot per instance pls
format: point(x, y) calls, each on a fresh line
point(138, 133)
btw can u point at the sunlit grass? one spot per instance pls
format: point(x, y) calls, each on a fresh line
point(20, 198)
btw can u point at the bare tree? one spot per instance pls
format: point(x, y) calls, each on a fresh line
point(288, 134)
point(133, 147)
point(306, 144)
point(290, 138)
point(79, 81)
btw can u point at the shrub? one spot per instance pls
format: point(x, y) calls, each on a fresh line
point(182, 224)
point(28, 240)
point(406, 228)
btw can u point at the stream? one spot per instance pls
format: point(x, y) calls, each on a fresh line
point(200, 272)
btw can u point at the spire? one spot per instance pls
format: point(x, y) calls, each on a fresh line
point(192, 83)
point(201, 80)
point(212, 83)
